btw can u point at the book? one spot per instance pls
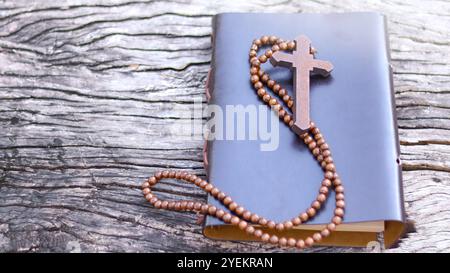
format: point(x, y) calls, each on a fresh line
point(354, 108)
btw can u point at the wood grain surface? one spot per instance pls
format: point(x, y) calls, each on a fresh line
point(90, 91)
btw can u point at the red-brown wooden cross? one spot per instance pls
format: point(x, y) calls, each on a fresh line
point(302, 62)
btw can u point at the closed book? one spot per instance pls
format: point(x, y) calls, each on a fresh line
point(354, 108)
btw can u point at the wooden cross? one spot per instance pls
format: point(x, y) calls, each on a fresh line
point(302, 62)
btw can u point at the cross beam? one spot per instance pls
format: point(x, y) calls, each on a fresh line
point(302, 62)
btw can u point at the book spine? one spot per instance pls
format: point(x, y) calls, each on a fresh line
point(209, 85)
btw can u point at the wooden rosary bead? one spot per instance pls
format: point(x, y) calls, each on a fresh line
point(323, 190)
point(309, 241)
point(246, 215)
point(145, 185)
point(337, 182)
point(329, 175)
point(157, 204)
point(339, 212)
point(256, 63)
point(340, 196)
point(304, 217)
point(273, 39)
point(255, 218)
point(316, 205)
point(340, 204)
point(227, 218)
point(337, 220)
point(316, 151)
point(265, 237)
point(152, 180)
point(239, 210)
point(324, 146)
point(208, 187)
point(288, 224)
point(204, 208)
point(261, 92)
point(276, 87)
point(265, 78)
point(243, 225)
point(250, 230)
point(232, 206)
point(296, 221)
point(325, 232)
point(326, 182)
point(290, 103)
point(330, 167)
point(308, 140)
point(321, 198)
point(220, 213)
point(311, 212)
point(197, 206)
point(146, 191)
point(279, 227)
point(227, 200)
point(235, 220)
point(273, 239)
point(265, 39)
point(212, 210)
point(148, 197)
point(221, 196)
point(300, 244)
point(262, 58)
point(192, 178)
point(258, 85)
point(203, 184)
point(258, 233)
point(339, 189)
point(331, 226)
point(287, 118)
point(317, 237)
point(215, 191)
point(291, 45)
point(262, 221)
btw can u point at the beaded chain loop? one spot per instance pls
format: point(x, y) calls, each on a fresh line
point(237, 214)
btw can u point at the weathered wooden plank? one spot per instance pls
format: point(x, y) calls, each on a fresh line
point(91, 92)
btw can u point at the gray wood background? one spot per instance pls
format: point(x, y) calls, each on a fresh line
point(90, 91)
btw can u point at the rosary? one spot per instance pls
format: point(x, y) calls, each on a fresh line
point(302, 62)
